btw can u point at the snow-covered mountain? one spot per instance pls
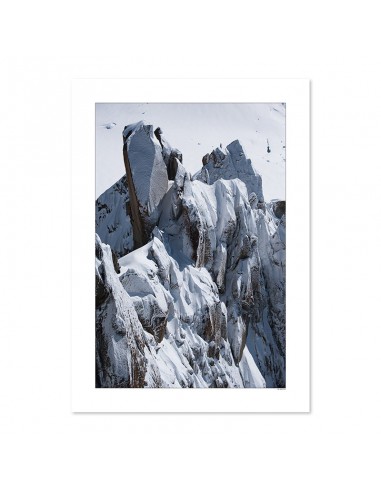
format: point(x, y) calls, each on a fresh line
point(190, 271)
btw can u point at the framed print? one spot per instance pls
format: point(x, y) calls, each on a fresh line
point(195, 295)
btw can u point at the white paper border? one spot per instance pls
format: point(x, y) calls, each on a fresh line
point(296, 396)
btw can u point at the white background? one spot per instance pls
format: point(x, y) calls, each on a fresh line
point(44, 446)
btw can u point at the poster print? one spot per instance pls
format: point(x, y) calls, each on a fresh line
point(199, 283)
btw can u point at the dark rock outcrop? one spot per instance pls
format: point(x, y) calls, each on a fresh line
point(279, 208)
point(147, 178)
point(173, 161)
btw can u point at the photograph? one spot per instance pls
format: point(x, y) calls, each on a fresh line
point(190, 245)
point(217, 345)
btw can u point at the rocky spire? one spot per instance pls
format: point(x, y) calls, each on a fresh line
point(147, 178)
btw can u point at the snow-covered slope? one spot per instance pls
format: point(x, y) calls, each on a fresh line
point(203, 297)
point(152, 331)
point(197, 129)
point(112, 217)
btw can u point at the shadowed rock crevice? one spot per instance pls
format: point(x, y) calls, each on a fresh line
point(139, 230)
point(279, 207)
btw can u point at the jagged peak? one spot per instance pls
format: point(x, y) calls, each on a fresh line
point(235, 147)
point(229, 163)
point(132, 127)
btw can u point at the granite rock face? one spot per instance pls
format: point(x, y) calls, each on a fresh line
point(147, 178)
point(232, 163)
